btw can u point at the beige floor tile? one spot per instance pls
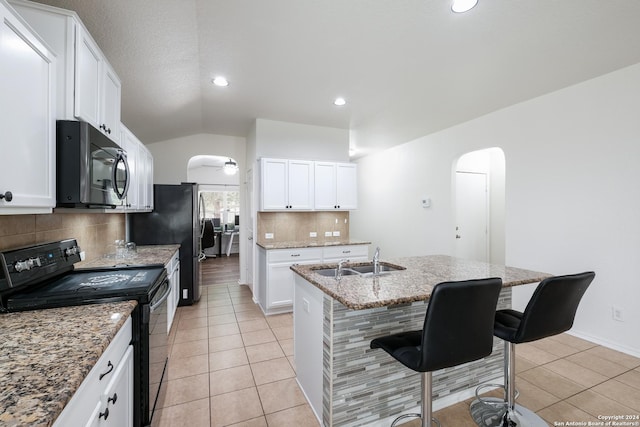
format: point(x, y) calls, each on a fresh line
point(193, 314)
point(292, 362)
point(597, 364)
point(280, 395)
point(235, 407)
point(272, 370)
point(249, 315)
point(218, 310)
point(231, 379)
point(283, 333)
point(287, 346)
point(523, 364)
point(188, 366)
point(552, 382)
point(533, 397)
point(575, 342)
point(262, 352)
point(455, 415)
point(534, 354)
point(190, 348)
point(192, 323)
point(253, 325)
point(244, 306)
point(193, 414)
point(222, 319)
point(576, 373)
point(597, 404)
point(213, 303)
point(280, 320)
point(620, 358)
point(191, 335)
point(554, 347)
point(300, 416)
point(562, 412)
point(620, 392)
point(226, 342)
point(185, 390)
point(631, 378)
point(223, 330)
point(227, 359)
point(256, 422)
point(258, 337)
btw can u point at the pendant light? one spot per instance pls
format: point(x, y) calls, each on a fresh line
point(230, 167)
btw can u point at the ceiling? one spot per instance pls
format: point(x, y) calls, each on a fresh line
point(407, 68)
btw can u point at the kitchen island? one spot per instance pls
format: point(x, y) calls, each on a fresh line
point(347, 383)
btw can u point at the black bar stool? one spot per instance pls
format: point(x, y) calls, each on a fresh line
point(550, 311)
point(458, 328)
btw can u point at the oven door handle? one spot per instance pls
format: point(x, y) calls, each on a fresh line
point(162, 299)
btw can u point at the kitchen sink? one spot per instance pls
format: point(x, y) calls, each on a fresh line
point(362, 270)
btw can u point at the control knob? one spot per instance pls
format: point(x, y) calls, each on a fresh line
point(71, 251)
point(22, 266)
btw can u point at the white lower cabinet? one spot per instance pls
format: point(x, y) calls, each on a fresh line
point(105, 397)
point(276, 279)
point(275, 293)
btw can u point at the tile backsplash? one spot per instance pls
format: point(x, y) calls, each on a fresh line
point(296, 226)
point(95, 232)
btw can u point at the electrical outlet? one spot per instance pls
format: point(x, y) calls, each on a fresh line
point(313, 234)
point(327, 234)
point(305, 305)
point(185, 293)
point(268, 235)
point(336, 234)
point(617, 313)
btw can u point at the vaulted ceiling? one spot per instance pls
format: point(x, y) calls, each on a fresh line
point(406, 68)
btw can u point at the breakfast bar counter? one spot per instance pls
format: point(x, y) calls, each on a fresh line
point(347, 383)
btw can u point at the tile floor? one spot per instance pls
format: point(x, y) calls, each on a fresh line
point(232, 366)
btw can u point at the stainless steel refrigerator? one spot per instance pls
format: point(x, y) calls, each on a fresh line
point(175, 219)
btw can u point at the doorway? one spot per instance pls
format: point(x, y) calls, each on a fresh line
point(479, 199)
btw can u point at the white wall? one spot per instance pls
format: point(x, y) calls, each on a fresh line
point(302, 142)
point(572, 194)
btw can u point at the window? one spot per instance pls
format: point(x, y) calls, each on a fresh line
point(222, 204)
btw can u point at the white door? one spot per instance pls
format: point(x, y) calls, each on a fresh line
point(472, 216)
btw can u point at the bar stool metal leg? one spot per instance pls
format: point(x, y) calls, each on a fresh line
point(426, 404)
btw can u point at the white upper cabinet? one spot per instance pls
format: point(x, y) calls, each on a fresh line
point(27, 118)
point(140, 160)
point(286, 184)
point(336, 186)
point(87, 87)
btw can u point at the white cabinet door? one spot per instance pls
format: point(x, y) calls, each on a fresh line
point(118, 395)
point(300, 185)
point(27, 119)
point(110, 106)
point(280, 288)
point(129, 144)
point(274, 184)
point(146, 201)
point(88, 70)
point(325, 186)
point(346, 186)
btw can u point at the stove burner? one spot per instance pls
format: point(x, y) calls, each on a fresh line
point(105, 279)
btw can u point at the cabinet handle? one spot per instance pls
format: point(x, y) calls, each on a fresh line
point(8, 196)
point(113, 399)
point(294, 255)
point(110, 366)
point(346, 252)
point(104, 414)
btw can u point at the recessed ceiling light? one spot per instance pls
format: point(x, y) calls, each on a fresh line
point(220, 81)
point(460, 6)
point(339, 102)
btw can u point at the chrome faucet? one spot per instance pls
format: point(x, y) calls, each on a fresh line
point(376, 262)
point(341, 263)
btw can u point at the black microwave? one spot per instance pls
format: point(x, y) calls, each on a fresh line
point(91, 170)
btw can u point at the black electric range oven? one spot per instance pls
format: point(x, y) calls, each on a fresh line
point(43, 276)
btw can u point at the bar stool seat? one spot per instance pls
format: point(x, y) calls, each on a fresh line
point(458, 328)
point(550, 311)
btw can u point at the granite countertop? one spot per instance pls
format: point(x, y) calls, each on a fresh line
point(310, 244)
point(46, 354)
point(413, 284)
point(144, 255)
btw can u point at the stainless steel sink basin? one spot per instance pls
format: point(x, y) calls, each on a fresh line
point(368, 268)
point(362, 270)
point(331, 272)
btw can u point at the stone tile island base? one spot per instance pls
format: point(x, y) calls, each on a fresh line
point(348, 384)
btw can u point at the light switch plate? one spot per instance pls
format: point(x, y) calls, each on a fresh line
point(336, 234)
point(268, 235)
point(313, 234)
point(327, 234)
